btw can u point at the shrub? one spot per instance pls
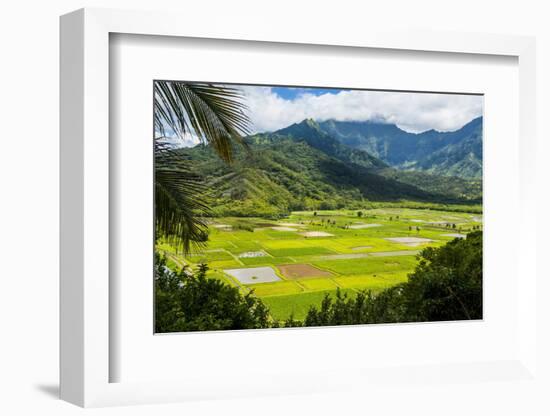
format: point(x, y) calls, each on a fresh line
point(187, 300)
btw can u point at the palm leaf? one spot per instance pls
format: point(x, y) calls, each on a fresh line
point(179, 209)
point(215, 114)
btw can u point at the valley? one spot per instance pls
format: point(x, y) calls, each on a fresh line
point(293, 262)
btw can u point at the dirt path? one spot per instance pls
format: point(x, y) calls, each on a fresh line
point(363, 255)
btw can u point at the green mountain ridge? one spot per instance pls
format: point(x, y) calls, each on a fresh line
point(457, 153)
point(311, 133)
point(301, 167)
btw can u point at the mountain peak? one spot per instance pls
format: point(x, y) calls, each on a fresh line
point(309, 122)
point(475, 122)
point(311, 133)
point(306, 127)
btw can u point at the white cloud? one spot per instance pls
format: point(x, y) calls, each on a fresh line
point(172, 139)
point(413, 112)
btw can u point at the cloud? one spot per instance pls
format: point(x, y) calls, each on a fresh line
point(413, 112)
point(187, 140)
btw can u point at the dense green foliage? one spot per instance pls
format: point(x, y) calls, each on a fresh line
point(301, 168)
point(467, 190)
point(189, 301)
point(457, 153)
point(446, 285)
point(472, 208)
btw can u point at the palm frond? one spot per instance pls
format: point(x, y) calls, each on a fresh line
point(215, 114)
point(179, 209)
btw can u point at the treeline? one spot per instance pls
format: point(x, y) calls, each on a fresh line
point(445, 286)
point(473, 208)
point(189, 301)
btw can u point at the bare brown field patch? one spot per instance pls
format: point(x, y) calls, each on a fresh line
point(300, 271)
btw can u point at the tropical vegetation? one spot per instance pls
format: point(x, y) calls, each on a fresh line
point(445, 285)
point(346, 222)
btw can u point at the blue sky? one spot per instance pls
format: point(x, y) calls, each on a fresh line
point(291, 93)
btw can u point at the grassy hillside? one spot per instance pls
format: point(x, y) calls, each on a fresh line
point(301, 168)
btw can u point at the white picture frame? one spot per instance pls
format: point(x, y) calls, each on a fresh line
point(85, 217)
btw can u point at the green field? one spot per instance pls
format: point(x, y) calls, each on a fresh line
point(357, 254)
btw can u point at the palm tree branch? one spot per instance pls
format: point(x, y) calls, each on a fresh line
point(179, 209)
point(215, 114)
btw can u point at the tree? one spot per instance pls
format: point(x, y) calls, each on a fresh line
point(187, 300)
point(359, 214)
point(291, 322)
point(216, 116)
point(447, 284)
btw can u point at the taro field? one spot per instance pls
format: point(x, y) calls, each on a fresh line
point(292, 263)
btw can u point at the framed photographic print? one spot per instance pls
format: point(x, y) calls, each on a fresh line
point(281, 206)
point(310, 206)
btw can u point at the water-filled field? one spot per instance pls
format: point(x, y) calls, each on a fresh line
point(292, 263)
